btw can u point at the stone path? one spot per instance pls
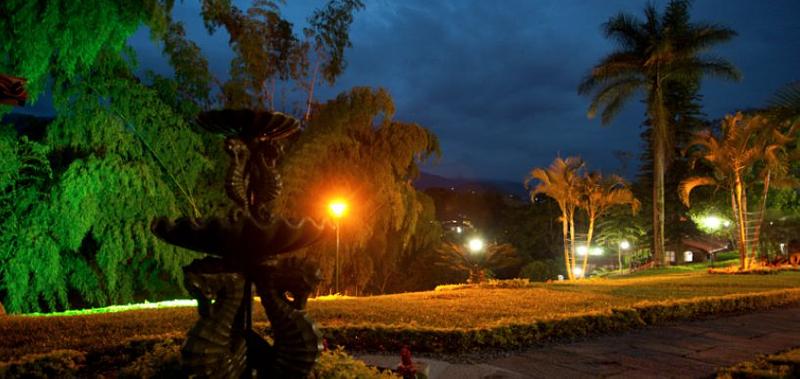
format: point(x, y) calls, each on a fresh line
point(691, 349)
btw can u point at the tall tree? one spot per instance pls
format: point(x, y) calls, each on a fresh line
point(561, 182)
point(651, 54)
point(354, 149)
point(268, 51)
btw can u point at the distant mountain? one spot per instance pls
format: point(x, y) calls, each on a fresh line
point(427, 180)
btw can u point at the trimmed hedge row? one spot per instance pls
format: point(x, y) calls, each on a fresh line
point(515, 336)
point(489, 284)
point(761, 270)
point(781, 365)
point(156, 357)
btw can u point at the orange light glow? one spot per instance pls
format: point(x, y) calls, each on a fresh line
point(337, 208)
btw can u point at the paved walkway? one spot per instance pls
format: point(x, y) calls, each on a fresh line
point(692, 349)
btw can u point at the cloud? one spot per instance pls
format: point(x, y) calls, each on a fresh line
point(496, 81)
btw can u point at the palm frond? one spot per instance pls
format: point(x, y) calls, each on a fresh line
point(626, 30)
point(785, 104)
point(704, 36)
point(689, 184)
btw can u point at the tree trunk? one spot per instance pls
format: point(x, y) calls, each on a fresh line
point(310, 97)
point(742, 220)
point(564, 230)
point(760, 224)
point(572, 242)
point(588, 243)
point(659, 167)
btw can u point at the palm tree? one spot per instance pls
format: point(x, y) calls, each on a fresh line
point(599, 195)
point(652, 55)
point(617, 227)
point(745, 143)
point(561, 181)
point(478, 265)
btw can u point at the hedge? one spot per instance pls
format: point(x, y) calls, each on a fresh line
point(782, 365)
point(516, 336)
point(155, 357)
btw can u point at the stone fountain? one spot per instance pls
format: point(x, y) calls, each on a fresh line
point(247, 249)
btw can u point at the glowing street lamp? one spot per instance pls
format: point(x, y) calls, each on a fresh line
point(337, 208)
point(577, 272)
point(582, 250)
point(475, 245)
point(623, 245)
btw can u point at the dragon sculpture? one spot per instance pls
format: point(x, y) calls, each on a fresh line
point(245, 249)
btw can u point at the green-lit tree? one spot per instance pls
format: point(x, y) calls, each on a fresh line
point(80, 196)
point(652, 54)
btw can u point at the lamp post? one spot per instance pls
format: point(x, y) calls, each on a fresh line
point(475, 245)
point(623, 245)
point(337, 209)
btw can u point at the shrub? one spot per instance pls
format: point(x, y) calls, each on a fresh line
point(540, 271)
point(55, 364)
point(758, 270)
point(782, 365)
point(162, 361)
point(336, 364)
point(489, 284)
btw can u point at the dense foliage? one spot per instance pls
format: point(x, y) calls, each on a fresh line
point(78, 194)
point(353, 149)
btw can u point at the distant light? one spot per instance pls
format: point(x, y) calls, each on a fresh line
point(578, 272)
point(582, 250)
point(726, 223)
point(475, 245)
point(688, 256)
point(624, 245)
point(596, 251)
point(713, 222)
point(458, 229)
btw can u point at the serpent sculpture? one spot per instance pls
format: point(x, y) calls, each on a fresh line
point(246, 249)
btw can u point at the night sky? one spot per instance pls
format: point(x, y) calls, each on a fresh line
point(496, 80)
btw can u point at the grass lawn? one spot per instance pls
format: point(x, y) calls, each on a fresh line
point(431, 310)
point(468, 308)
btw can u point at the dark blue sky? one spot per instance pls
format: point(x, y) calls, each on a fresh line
point(496, 80)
